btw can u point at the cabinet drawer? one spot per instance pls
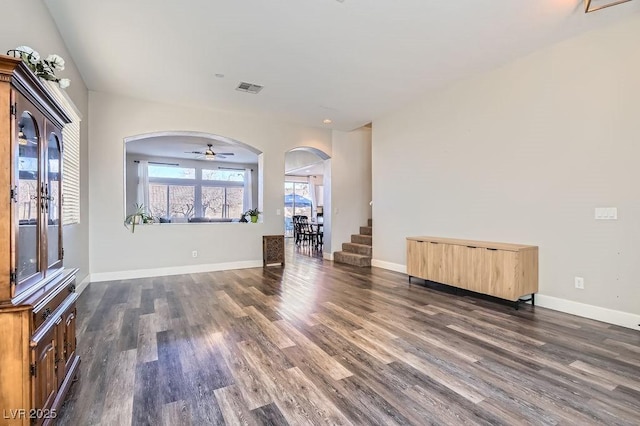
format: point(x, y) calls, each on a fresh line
point(44, 311)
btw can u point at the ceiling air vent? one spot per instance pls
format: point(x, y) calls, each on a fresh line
point(249, 87)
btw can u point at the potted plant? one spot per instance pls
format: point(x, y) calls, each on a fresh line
point(138, 217)
point(253, 213)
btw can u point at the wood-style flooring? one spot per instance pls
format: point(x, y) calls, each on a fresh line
point(322, 343)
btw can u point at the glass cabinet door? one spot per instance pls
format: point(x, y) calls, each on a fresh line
point(52, 191)
point(28, 198)
point(37, 197)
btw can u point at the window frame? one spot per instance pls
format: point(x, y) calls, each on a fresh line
point(198, 183)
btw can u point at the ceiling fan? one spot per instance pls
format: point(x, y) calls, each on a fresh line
point(208, 154)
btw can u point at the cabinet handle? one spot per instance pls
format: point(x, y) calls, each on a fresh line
point(472, 247)
point(433, 242)
point(492, 249)
point(42, 198)
point(46, 314)
point(72, 288)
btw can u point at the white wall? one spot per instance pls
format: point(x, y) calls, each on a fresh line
point(524, 154)
point(28, 23)
point(351, 188)
point(327, 184)
point(115, 250)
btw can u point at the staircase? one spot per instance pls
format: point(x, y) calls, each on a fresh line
point(358, 251)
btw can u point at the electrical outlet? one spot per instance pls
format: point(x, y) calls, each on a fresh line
point(579, 283)
point(194, 253)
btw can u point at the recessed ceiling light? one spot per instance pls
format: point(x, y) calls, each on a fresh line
point(327, 121)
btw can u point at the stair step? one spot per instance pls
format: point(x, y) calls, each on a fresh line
point(370, 222)
point(363, 249)
point(362, 239)
point(366, 230)
point(352, 259)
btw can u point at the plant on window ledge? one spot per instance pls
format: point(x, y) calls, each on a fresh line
point(43, 68)
point(138, 217)
point(253, 213)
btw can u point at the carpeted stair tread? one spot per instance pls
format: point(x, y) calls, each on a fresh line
point(362, 239)
point(366, 230)
point(364, 249)
point(354, 259)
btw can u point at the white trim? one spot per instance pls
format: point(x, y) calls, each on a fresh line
point(83, 284)
point(175, 270)
point(388, 265)
point(610, 316)
point(624, 319)
point(327, 255)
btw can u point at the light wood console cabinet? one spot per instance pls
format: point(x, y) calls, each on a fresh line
point(38, 360)
point(506, 271)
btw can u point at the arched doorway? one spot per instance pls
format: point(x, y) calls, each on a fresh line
point(307, 194)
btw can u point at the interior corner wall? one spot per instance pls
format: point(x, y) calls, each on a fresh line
point(524, 154)
point(29, 23)
point(327, 221)
point(351, 185)
point(165, 249)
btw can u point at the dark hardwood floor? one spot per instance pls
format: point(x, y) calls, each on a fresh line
point(318, 343)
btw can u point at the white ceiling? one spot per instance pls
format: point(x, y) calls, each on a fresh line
point(183, 146)
point(314, 169)
point(350, 61)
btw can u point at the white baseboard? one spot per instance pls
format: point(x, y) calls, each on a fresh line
point(83, 284)
point(609, 316)
point(175, 270)
point(388, 265)
point(327, 255)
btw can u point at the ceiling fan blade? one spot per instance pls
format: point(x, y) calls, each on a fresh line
point(194, 152)
point(225, 153)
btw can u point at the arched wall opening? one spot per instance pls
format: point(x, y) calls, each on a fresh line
point(191, 177)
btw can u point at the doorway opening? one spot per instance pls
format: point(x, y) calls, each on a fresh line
point(306, 192)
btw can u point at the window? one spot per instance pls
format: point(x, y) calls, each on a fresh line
point(222, 202)
point(180, 192)
point(297, 201)
point(171, 172)
point(223, 175)
point(70, 157)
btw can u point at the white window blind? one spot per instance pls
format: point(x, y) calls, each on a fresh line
point(70, 158)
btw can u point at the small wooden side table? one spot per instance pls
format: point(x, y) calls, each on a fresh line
point(272, 249)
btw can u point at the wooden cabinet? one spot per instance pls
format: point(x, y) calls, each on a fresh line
point(272, 249)
point(38, 361)
point(507, 271)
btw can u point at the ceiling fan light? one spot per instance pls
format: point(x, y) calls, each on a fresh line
point(210, 156)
